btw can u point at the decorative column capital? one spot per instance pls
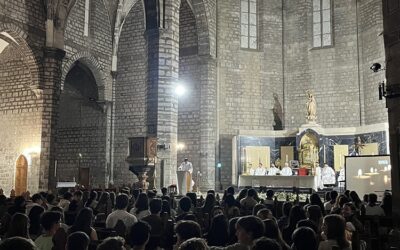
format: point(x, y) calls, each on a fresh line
point(54, 53)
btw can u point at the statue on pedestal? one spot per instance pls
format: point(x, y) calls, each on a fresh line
point(311, 107)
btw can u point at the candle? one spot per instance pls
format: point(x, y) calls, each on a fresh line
point(287, 158)
point(359, 173)
point(371, 170)
point(324, 154)
point(385, 179)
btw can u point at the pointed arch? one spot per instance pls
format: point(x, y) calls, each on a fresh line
point(92, 63)
point(19, 39)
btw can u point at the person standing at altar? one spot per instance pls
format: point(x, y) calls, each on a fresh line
point(342, 177)
point(273, 170)
point(260, 170)
point(286, 170)
point(186, 165)
point(328, 175)
point(318, 177)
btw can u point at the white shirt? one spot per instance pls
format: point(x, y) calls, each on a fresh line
point(260, 171)
point(286, 171)
point(127, 218)
point(141, 214)
point(273, 171)
point(186, 166)
point(328, 176)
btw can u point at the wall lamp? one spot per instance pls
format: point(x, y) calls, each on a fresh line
point(376, 67)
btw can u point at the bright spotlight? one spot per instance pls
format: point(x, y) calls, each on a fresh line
point(180, 146)
point(180, 90)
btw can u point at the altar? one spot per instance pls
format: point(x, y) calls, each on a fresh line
point(276, 181)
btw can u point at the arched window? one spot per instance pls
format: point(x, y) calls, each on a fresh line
point(248, 24)
point(322, 23)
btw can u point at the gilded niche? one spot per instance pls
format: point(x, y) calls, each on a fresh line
point(308, 150)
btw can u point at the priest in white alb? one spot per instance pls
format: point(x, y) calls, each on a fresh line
point(328, 175)
point(260, 170)
point(273, 170)
point(286, 170)
point(318, 177)
point(186, 165)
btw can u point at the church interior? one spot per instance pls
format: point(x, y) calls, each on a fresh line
point(113, 93)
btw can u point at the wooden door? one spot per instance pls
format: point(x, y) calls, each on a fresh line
point(21, 175)
point(84, 177)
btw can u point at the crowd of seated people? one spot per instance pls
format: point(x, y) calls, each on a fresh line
point(132, 219)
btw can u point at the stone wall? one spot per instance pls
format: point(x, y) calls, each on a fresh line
point(248, 79)
point(81, 131)
point(20, 108)
point(20, 120)
point(340, 77)
point(130, 90)
point(372, 50)
point(189, 103)
point(86, 131)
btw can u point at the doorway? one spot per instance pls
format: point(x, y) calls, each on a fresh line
point(21, 175)
point(84, 178)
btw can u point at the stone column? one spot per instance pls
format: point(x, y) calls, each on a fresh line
point(391, 23)
point(162, 103)
point(208, 122)
point(51, 84)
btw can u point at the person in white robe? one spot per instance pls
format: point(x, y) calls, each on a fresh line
point(273, 170)
point(286, 170)
point(318, 178)
point(186, 165)
point(260, 170)
point(328, 175)
point(341, 178)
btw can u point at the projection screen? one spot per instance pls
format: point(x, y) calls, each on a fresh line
point(368, 174)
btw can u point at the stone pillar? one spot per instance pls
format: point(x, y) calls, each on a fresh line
point(208, 122)
point(51, 84)
point(162, 103)
point(391, 23)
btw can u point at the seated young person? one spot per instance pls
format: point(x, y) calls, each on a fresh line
point(139, 235)
point(77, 241)
point(51, 223)
point(15, 243)
point(121, 213)
point(248, 229)
point(185, 230)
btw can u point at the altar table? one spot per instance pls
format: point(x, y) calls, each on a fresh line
point(276, 181)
